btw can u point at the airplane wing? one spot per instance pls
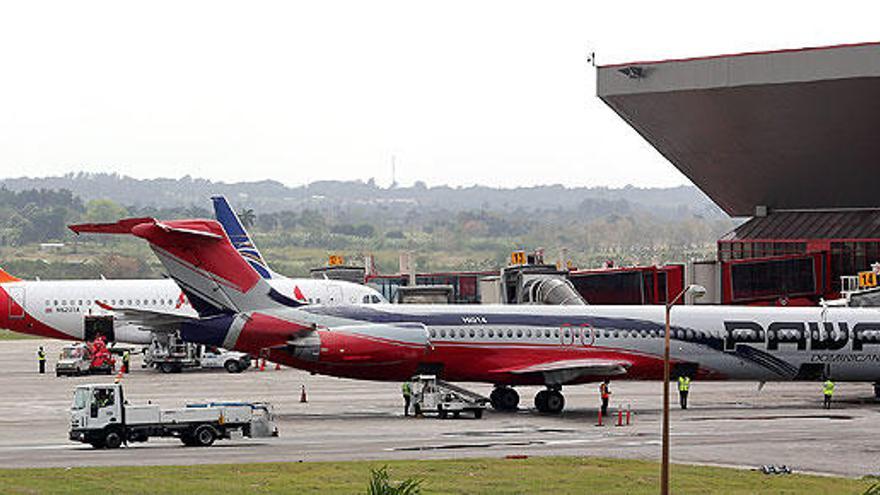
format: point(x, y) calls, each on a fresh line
point(156, 320)
point(567, 370)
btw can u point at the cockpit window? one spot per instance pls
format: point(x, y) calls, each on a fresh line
point(367, 299)
point(376, 299)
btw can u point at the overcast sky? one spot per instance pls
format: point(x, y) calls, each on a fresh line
point(496, 93)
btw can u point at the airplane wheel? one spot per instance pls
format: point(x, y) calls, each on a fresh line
point(541, 401)
point(504, 399)
point(555, 402)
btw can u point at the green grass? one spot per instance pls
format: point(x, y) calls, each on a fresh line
point(557, 475)
point(10, 335)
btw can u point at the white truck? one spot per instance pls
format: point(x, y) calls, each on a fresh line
point(81, 359)
point(170, 354)
point(430, 395)
point(101, 416)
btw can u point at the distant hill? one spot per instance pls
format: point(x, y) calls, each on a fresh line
point(270, 196)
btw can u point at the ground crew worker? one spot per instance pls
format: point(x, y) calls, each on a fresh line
point(605, 392)
point(828, 391)
point(126, 360)
point(102, 398)
point(684, 384)
point(406, 388)
point(41, 358)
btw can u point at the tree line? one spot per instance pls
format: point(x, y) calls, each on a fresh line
point(443, 238)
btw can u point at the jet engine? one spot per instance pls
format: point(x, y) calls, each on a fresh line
point(373, 344)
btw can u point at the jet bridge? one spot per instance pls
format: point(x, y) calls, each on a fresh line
point(530, 284)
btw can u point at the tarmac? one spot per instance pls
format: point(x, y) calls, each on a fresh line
point(730, 424)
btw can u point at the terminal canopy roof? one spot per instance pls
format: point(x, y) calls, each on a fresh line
point(789, 130)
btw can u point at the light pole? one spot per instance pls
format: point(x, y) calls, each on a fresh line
point(697, 291)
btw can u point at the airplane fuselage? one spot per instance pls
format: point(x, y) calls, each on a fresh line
point(500, 344)
point(60, 308)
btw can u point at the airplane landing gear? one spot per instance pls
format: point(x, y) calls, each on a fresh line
point(550, 401)
point(504, 399)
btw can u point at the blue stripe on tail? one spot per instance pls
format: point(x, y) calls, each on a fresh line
point(239, 236)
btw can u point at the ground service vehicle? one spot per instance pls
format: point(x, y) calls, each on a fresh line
point(431, 395)
point(170, 354)
point(102, 417)
point(85, 359)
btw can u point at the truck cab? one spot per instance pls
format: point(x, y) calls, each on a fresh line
point(95, 410)
point(231, 361)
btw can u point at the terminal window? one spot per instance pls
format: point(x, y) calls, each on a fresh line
point(773, 278)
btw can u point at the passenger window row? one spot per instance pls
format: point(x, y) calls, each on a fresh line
point(493, 333)
point(567, 333)
point(112, 302)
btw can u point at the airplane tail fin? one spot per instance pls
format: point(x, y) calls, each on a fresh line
point(201, 259)
point(5, 277)
point(239, 237)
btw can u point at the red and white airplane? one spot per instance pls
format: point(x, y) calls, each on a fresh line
point(69, 309)
point(499, 344)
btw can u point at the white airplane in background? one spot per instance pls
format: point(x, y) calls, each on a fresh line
point(72, 309)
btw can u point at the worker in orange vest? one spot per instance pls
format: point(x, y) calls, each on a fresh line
point(605, 392)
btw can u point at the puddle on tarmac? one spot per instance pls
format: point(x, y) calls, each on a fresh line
point(502, 433)
point(453, 446)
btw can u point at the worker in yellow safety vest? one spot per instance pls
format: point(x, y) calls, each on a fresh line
point(41, 358)
point(406, 388)
point(828, 391)
point(684, 385)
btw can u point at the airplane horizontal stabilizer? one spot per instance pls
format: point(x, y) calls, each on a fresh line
point(200, 258)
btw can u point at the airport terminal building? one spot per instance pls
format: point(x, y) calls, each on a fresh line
point(788, 138)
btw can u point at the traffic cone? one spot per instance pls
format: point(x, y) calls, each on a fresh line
point(619, 417)
point(627, 414)
point(263, 364)
point(302, 395)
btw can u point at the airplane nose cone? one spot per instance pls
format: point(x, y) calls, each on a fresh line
point(4, 309)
